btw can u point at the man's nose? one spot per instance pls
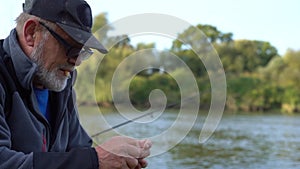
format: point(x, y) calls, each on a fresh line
point(74, 61)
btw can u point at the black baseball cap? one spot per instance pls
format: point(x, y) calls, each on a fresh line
point(73, 16)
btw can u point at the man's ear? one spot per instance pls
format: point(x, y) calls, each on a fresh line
point(29, 32)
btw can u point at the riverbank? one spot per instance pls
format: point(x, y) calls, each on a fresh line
point(107, 107)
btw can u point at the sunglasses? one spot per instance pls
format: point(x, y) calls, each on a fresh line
point(71, 52)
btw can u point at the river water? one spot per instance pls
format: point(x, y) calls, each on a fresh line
point(241, 141)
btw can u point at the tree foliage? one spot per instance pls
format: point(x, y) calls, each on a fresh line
point(245, 56)
point(258, 79)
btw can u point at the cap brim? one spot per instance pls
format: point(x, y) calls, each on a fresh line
point(83, 37)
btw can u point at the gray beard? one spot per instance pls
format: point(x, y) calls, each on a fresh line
point(50, 79)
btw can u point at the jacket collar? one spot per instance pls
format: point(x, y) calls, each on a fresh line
point(23, 66)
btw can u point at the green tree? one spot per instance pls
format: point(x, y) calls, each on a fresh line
point(101, 23)
point(85, 81)
point(106, 70)
point(141, 87)
point(289, 79)
point(214, 35)
point(283, 74)
point(290, 75)
point(245, 56)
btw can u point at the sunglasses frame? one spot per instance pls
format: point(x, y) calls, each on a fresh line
point(71, 51)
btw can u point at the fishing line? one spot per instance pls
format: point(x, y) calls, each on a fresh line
point(171, 105)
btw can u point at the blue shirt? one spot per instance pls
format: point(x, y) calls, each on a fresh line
point(42, 99)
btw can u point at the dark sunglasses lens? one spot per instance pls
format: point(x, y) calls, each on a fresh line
point(73, 52)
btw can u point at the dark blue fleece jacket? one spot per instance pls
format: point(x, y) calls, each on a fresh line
point(27, 140)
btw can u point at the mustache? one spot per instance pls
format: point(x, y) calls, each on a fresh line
point(66, 66)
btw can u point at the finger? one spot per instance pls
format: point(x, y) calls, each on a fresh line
point(129, 140)
point(138, 166)
point(147, 144)
point(134, 151)
point(143, 163)
point(131, 162)
point(146, 149)
point(137, 152)
point(145, 153)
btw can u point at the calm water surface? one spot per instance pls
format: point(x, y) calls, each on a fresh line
point(240, 141)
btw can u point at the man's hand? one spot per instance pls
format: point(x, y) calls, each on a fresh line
point(123, 153)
